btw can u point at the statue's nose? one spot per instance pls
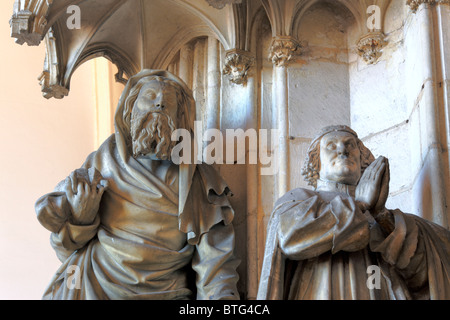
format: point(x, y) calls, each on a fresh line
point(160, 104)
point(342, 150)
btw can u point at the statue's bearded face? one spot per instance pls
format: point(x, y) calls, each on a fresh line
point(340, 158)
point(152, 120)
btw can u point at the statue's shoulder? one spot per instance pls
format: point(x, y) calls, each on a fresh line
point(296, 195)
point(96, 157)
point(109, 143)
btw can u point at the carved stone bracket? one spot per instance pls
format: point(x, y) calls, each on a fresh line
point(219, 4)
point(370, 47)
point(237, 65)
point(29, 21)
point(284, 50)
point(50, 79)
point(415, 4)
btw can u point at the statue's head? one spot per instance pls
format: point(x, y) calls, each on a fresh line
point(336, 154)
point(154, 109)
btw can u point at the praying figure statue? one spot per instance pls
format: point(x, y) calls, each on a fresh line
point(132, 224)
point(339, 241)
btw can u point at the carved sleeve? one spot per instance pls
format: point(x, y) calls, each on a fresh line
point(54, 212)
point(207, 221)
point(216, 265)
point(309, 228)
point(403, 248)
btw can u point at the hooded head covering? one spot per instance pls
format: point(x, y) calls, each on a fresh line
point(186, 101)
point(123, 137)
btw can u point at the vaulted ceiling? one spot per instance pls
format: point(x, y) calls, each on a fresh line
point(137, 34)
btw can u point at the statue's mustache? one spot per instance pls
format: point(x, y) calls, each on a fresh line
point(151, 133)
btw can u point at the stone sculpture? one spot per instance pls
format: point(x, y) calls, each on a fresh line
point(130, 224)
point(329, 243)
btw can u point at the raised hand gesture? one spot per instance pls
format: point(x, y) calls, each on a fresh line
point(373, 187)
point(84, 189)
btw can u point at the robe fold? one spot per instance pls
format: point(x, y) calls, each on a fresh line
point(320, 246)
point(138, 246)
point(163, 231)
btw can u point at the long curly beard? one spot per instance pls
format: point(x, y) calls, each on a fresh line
point(151, 135)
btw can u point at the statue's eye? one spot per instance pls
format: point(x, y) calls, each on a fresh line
point(331, 146)
point(350, 144)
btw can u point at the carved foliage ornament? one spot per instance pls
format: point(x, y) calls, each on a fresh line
point(415, 4)
point(29, 21)
point(219, 4)
point(283, 50)
point(370, 47)
point(237, 65)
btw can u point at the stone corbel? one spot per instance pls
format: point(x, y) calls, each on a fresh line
point(415, 4)
point(29, 21)
point(284, 50)
point(50, 79)
point(370, 47)
point(220, 4)
point(237, 64)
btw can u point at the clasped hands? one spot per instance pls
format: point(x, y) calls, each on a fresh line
point(373, 187)
point(84, 189)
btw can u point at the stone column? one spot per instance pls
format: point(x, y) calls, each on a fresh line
point(428, 125)
point(198, 80)
point(252, 198)
point(238, 64)
point(443, 20)
point(214, 83)
point(186, 61)
point(283, 50)
point(442, 24)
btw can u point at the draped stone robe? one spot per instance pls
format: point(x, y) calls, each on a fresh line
point(320, 246)
point(163, 231)
point(139, 246)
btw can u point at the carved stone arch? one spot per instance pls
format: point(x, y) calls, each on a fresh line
point(225, 37)
point(384, 5)
point(358, 10)
point(244, 15)
point(255, 23)
point(58, 9)
point(83, 50)
point(120, 59)
point(166, 56)
point(274, 15)
point(303, 7)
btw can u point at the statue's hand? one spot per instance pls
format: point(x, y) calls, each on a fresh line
point(368, 190)
point(384, 191)
point(84, 190)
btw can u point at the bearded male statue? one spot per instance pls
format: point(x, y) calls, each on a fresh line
point(333, 242)
point(132, 224)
